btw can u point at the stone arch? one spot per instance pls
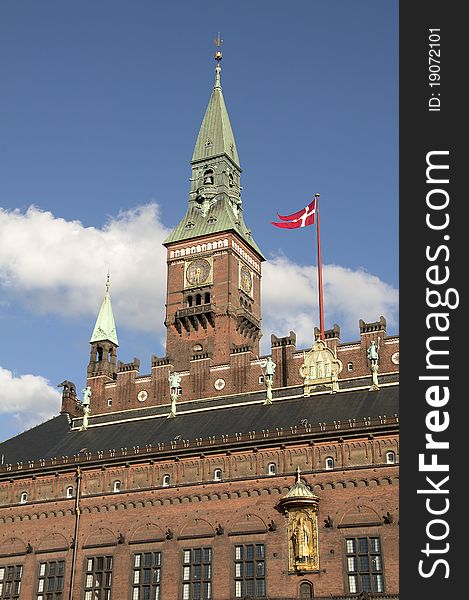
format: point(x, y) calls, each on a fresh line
point(53, 541)
point(100, 536)
point(360, 515)
point(248, 523)
point(197, 527)
point(13, 545)
point(148, 531)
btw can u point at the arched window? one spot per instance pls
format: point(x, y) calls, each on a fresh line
point(24, 497)
point(306, 590)
point(117, 486)
point(100, 353)
point(109, 401)
point(272, 469)
point(207, 297)
point(390, 457)
point(70, 491)
point(198, 299)
point(166, 480)
point(208, 177)
point(189, 301)
point(329, 463)
point(217, 474)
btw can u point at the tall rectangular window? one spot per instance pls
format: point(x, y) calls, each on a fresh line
point(50, 581)
point(146, 578)
point(364, 565)
point(249, 575)
point(197, 574)
point(10, 581)
point(98, 578)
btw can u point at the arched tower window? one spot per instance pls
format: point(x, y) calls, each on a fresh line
point(189, 301)
point(117, 486)
point(166, 480)
point(306, 590)
point(329, 463)
point(24, 497)
point(70, 491)
point(217, 474)
point(207, 297)
point(208, 177)
point(390, 457)
point(99, 350)
point(272, 469)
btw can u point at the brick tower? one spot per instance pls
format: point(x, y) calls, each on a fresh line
point(214, 264)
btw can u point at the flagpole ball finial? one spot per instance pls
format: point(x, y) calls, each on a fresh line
point(317, 195)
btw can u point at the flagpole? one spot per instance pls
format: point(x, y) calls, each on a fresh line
point(321, 302)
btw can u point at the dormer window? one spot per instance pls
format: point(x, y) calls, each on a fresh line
point(390, 457)
point(329, 463)
point(24, 497)
point(208, 177)
point(217, 474)
point(272, 469)
point(166, 480)
point(70, 491)
point(117, 486)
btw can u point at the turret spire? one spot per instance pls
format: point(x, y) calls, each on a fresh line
point(105, 327)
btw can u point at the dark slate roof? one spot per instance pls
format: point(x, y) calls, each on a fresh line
point(55, 438)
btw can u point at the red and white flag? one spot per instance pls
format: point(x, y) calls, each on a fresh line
point(302, 218)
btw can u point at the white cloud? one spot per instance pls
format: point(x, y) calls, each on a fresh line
point(290, 300)
point(60, 266)
point(28, 398)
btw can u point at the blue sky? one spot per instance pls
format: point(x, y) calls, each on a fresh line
point(100, 106)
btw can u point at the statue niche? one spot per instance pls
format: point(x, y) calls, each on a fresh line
point(320, 369)
point(300, 506)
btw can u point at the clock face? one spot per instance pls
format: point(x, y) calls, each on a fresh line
point(245, 280)
point(142, 395)
point(198, 271)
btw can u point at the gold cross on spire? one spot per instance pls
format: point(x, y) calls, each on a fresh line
point(218, 42)
point(298, 474)
point(108, 282)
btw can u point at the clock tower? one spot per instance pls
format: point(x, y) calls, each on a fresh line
point(214, 265)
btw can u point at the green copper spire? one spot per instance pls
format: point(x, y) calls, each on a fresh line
point(215, 203)
point(105, 328)
point(215, 134)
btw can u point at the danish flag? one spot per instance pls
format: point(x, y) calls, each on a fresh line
point(302, 218)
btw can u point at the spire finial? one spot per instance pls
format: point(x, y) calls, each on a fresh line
point(108, 282)
point(298, 473)
point(218, 56)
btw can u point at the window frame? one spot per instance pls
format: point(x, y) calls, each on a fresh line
point(86, 589)
point(328, 465)
point(358, 573)
point(269, 469)
point(10, 592)
point(46, 575)
point(242, 578)
point(155, 584)
point(191, 580)
point(390, 453)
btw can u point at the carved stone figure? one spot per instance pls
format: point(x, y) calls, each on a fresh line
point(86, 395)
point(373, 352)
point(174, 385)
point(302, 539)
